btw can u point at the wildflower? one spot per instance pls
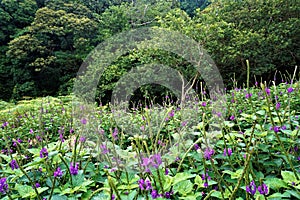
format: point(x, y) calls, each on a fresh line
point(82, 139)
point(283, 127)
point(37, 185)
point(268, 91)
point(167, 171)
point(104, 149)
point(203, 104)
point(277, 106)
point(71, 131)
point(251, 189)
point(205, 184)
point(298, 158)
point(171, 114)
point(83, 121)
point(168, 194)
point(43, 153)
point(205, 176)
point(263, 189)
point(115, 134)
point(58, 173)
point(4, 124)
point(276, 129)
point(156, 160)
point(184, 123)
point(13, 164)
point(196, 147)
point(154, 194)
point(3, 186)
point(208, 153)
point(232, 117)
point(145, 184)
point(113, 197)
point(229, 150)
point(74, 168)
point(290, 89)
point(61, 137)
point(248, 95)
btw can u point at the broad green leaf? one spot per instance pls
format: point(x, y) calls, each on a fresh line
point(183, 187)
point(181, 177)
point(288, 176)
point(275, 183)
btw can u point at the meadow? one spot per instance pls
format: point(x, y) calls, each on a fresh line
point(45, 154)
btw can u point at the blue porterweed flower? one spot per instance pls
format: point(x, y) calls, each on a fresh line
point(277, 106)
point(154, 194)
point(37, 185)
point(248, 95)
point(104, 149)
point(74, 168)
point(290, 90)
point(208, 153)
point(115, 134)
point(251, 189)
point(171, 114)
point(43, 153)
point(58, 173)
point(263, 189)
point(203, 104)
point(145, 184)
point(156, 160)
point(276, 129)
point(83, 121)
point(268, 91)
point(13, 164)
point(229, 152)
point(3, 186)
point(232, 117)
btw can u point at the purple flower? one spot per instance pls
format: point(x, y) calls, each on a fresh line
point(277, 106)
point(205, 184)
point(37, 185)
point(83, 121)
point(248, 95)
point(168, 194)
point(205, 176)
point(290, 89)
point(196, 147)
point(3, 186)
point(154, 194)
point(58, 173)
point(144, 184)
point(156, 160)
point(184, 123)
point(61, 137)
point(203, 104)
point(43, 153)
point(208, 153)
point(74, 168)
point(232, 117)
point(113, 197)
point(171, 114)
point(167, 171)
point(251, 189)
point(13, 164)
point(229, 152)
point(268, 91)
point(276, 129)
point(298, 158)
point(263, 189)
point(115, 134)
point(82, 139)
point(104, 149)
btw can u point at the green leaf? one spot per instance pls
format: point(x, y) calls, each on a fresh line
point(182, 177)
point(276, 183)
point(183, 187)
point(294, 193)
point(288, 176)
point(25, 191)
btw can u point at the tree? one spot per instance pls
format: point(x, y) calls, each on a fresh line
point(52, 50)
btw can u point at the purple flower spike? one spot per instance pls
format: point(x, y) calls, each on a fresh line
point(74, 168)
point(290, 90)
point(251, 189)
point(263, 189)
point(3, 186)
point(43, 153)
point(208, 153)
point(58, 173)
point(277, 106)
point(268, 91)
point(229, 152)
point(232, 117)
point(14, 165)
point(154, 194)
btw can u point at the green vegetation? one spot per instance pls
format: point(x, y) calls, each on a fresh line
point(43, 43)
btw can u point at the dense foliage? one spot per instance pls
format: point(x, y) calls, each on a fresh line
point(46, 154)
point(43, 43)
